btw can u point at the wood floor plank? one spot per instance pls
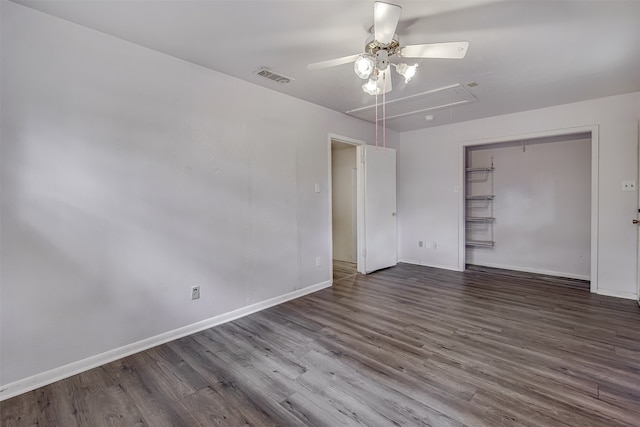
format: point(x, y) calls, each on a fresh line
point(436, 399)
point(154, 392)
point(344, 270)
point(23, 410)
point(396, 407)
point(405, 346)
point(226, 399)
point(254, 393)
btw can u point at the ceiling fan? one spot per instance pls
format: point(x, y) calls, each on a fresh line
point(373, 65)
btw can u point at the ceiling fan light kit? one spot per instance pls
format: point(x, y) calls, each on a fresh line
point(384, 44)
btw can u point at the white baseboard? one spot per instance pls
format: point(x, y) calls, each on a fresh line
point(39, 380)
point(428, 264)
point(532, 270)
point(617, 294)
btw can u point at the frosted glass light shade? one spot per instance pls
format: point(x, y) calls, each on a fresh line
point(371, 87)
point(406, 71)
point(364, 66)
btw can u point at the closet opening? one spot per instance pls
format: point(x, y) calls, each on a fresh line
point(529, 207)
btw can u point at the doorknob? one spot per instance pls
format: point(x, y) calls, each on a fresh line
point(394, 214)
point(635, 221)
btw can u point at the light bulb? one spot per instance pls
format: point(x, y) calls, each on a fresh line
point(364, 66)
point(371, 87)
point(406, 71)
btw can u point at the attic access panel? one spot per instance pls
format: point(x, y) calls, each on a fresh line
point(435, 99)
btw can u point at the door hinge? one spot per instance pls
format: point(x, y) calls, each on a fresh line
point(364, 253)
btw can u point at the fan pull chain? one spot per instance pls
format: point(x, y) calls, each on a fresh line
point(384, 110)
point(376, 120)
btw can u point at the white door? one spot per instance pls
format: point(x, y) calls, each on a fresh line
point(378, 248)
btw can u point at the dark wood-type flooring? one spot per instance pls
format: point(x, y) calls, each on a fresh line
point(344, 270)
point(537, 278)
point(407, 346)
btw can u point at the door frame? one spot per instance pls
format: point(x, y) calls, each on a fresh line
point(367, 158)
point(359, 206)
point(593, 130)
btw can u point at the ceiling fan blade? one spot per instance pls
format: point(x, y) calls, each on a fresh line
point(453, 50)
point(385, 21)
point(332, 62)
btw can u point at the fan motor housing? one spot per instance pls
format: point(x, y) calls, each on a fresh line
point(382, 59)
point(372, 46)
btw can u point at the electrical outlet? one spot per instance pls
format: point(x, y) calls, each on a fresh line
point(317, 261)
point(629, 185)
point(195, 292)
point(434, 245)
point(420, 243)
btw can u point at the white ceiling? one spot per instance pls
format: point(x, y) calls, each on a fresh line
point(523, 54)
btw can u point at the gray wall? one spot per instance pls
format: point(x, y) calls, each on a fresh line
point(429, 163)
point(129, 176)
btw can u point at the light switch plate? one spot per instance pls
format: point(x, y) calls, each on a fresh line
point(629, 185)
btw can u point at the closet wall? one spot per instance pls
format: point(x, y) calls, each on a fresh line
point(541, 207)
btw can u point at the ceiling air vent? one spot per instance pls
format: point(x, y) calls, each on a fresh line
point(272, 75)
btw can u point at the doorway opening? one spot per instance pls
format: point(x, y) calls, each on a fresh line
point(344, 209)
point(362, 206)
